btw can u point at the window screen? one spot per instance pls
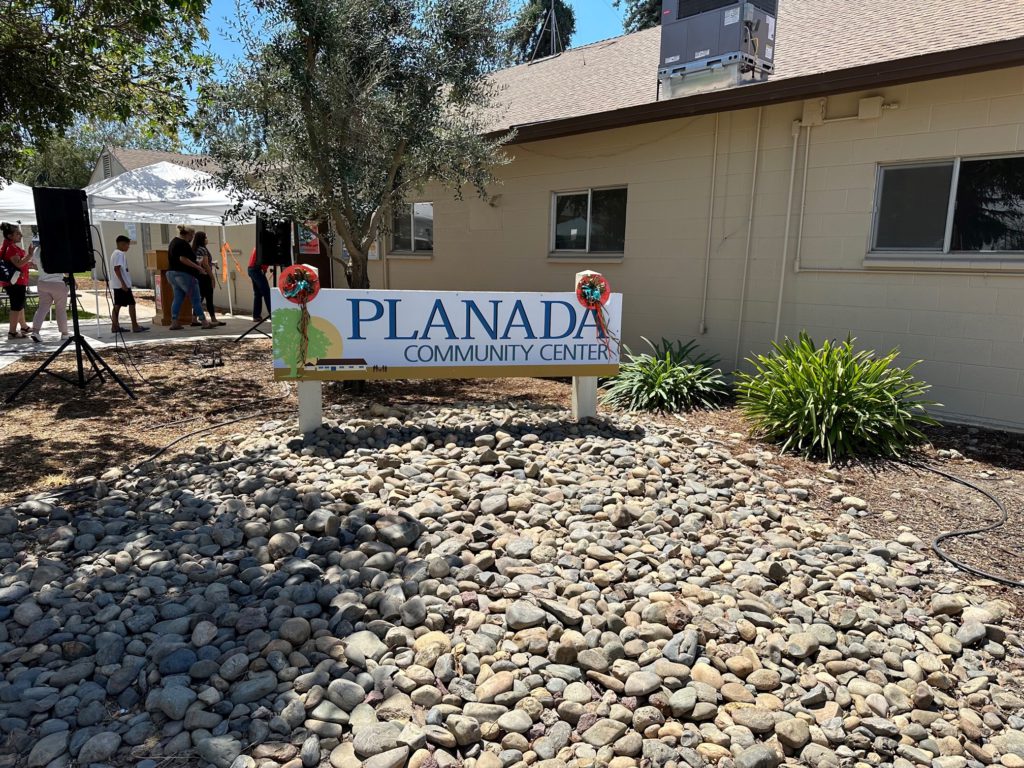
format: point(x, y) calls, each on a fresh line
point(593, 221)
point(423, 226)
point(401, 229)
point(571, 222)
point(913, 207)
point(412, 228)
point(608, 220)
point(989, 206)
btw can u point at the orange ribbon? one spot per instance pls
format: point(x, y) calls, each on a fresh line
point(225, 251)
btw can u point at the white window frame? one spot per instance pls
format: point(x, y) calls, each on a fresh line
point(954, 183)
point(589, 192)
point(411, 252)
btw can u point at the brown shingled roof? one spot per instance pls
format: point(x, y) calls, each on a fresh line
point(815, 38)
point(130, 159)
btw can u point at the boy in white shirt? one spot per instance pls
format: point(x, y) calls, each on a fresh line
point(122, 282)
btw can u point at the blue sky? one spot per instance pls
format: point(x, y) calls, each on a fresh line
point(595, 20)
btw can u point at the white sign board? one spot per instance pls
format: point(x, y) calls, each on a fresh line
point(427, 335)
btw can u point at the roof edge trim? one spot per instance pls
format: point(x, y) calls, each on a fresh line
point(931, 66)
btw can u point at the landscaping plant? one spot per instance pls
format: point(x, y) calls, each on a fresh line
point(834, 402)
point(671, 378)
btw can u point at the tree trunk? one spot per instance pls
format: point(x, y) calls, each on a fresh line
point(358, 276)
point(356, 270)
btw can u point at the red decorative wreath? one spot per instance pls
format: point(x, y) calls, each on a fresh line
point(299, 284)
point(592, 291)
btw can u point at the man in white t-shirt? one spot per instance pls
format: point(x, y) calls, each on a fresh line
point(122, 284)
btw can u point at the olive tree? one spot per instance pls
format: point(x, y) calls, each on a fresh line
point(340, 110)
point(529, 39)
point(67, 61)
point(640, 14)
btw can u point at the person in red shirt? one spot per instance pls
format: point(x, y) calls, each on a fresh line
point(11, 251)
point(260, 287)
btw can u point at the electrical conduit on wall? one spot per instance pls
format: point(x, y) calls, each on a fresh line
point(750, 233)
point(711, 220)
point(797, 125)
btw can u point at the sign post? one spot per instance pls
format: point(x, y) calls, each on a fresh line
point(342, 335)
point(311, 406)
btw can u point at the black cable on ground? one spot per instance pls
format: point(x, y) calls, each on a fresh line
point(72, 488)
point(222, 409)
point(196, 432)
point(937, 541)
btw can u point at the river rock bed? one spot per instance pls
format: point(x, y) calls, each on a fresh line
point(490, 588)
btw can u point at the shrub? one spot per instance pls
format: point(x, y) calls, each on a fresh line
point(680, 352)
point(673, 377)
point(834, 402)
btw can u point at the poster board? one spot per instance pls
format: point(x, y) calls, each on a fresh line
point(309, 241)
point(443, 335)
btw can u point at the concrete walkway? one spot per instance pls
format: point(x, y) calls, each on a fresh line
point(101, 338)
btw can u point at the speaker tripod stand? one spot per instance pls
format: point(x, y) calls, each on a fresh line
point(256, 326)
point(83, 352)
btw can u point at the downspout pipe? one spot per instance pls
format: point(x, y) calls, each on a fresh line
point(797, 125)
point(803, 202)
point(711, 220)
point(750, 232)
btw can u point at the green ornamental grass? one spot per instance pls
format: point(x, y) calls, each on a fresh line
point(673, 377)
point(834, 402)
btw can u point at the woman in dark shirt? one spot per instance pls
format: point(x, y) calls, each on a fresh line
point(206, 279)
point(183, 271)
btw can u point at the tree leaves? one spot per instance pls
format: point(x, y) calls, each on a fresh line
point(343, 109)
point(529, 40)
point(103, 59)
point(68, 160)
point(640, 14)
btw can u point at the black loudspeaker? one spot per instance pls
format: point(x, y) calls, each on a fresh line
point(62, 217)
point(273, 243)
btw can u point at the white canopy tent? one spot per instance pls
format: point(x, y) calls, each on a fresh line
point(167, 193)
point(17, 204)
point(163, 193)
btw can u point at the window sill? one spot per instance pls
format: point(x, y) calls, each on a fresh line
point(423, 256)
point(585, 258)
point(960, 262)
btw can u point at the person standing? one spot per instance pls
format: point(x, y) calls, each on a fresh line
point(53, 291)
point(122, 282)
point(183, 271)
point(260, 287)
point(17, 288)
point(206, 279)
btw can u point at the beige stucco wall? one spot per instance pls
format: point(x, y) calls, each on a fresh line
point(968, 327)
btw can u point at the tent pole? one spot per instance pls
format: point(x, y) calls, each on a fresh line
point(103, 259)
point(227, 271)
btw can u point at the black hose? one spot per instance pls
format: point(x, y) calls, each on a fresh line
point(68, 489)
point(937, 541)
point(199, 431)
point(243, 404)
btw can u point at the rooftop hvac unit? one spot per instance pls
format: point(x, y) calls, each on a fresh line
point(710, 44)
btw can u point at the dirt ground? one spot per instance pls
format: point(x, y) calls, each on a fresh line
point(908, 497)
point(56, 434)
